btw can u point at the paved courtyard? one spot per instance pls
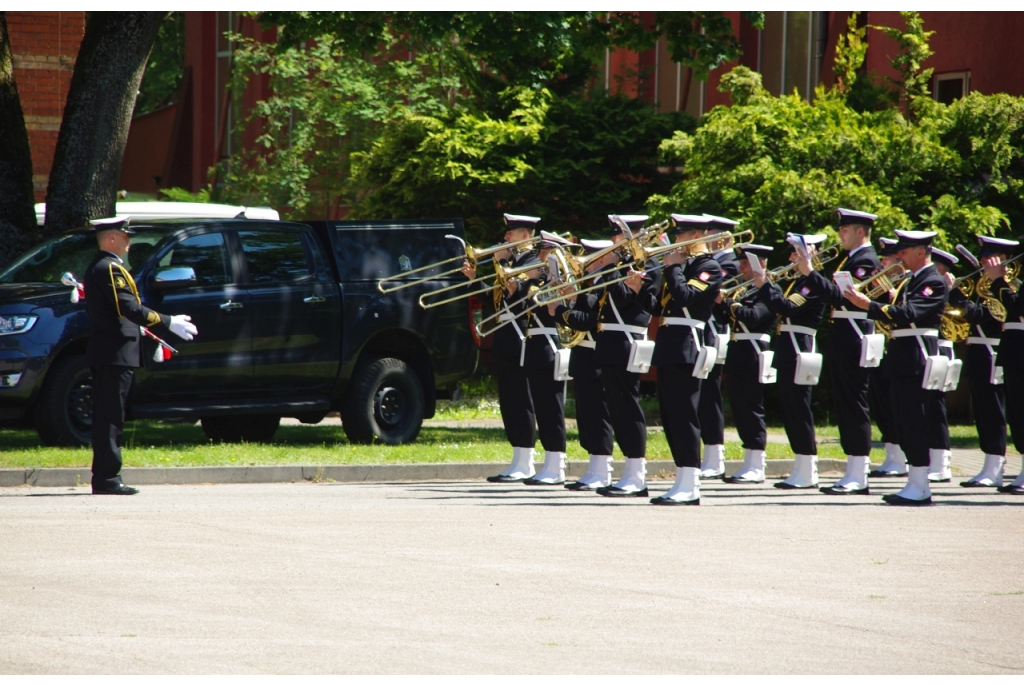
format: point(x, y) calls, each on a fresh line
point(467, 577)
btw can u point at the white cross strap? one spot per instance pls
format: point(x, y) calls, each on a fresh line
point(790, 328)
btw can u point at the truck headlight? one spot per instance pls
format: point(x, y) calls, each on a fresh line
point(17, 323)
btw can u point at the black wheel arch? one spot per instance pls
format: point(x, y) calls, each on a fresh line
point(407, 346)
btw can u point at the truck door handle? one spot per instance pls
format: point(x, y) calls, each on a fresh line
point(231, 306)
point(314, 299)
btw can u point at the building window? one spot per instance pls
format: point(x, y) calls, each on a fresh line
point(952, 86)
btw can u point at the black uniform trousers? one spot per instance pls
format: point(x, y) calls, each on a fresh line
point(987, 400)
point(548, 397)
point(878, 403)
point(746, 397)
point(592, 418)
point(531, 400)
point(1013, 383)
point(679, 399)
point(850, 395)
point(711, 410)
point(915, 416)
point(622, 393)
point(797, 416)
point(111, 385)
point(938, 429)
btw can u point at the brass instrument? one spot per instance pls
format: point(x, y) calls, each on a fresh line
point(502, 277)
point(783, 273)
point(969, 284)
point(885, 280)
point(472, 255)
point(953, 325)
point(983, 287)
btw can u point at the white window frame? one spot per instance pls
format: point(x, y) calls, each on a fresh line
point(963, 76)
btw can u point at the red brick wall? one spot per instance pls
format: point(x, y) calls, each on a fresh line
point(44, 45)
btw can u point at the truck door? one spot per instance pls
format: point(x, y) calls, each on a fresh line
point(218, 362)
point(295, 308)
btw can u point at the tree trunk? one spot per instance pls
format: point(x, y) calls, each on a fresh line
point(98, 111)
point(17, 216)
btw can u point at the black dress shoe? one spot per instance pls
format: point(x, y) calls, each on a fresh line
point(612, 491)
point(717, 476)
point(675, 503)
point(119, 489)
point(886, 474)
point(975, 484)
point(783, 485)
point(940, 480)
point(735, 481)
point(1012, 489)
point(534, 481)
point(898, 501)
point(504, 479)
point(832, 490)
point(581, 486)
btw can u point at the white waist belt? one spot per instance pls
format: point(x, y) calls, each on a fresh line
point(915, 333)
point(978, 340)
point(1013, 326)
point(759, 337)
point(626, 328)
point(587, 343)
point(945, 343)
point(806, 330)
point(845, 314)
point(542, 331)
point(506, 316)
point(682, 321)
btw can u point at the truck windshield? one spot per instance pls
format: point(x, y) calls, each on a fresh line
point(72, 252)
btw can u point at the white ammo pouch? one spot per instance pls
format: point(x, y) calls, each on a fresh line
point(766, 373)
point(721, 342)
point(872, 345)
point(706, 354)
point(953, 369)
point(808, 364)
point(641, 352)
point(995, 376)
point(561, 353)
point(935, 365)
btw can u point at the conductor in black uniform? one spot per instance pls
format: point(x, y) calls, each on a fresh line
point(847, 328)
point(915, 315)
point(114, 352)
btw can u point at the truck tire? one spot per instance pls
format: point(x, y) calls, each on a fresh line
point(63, 412)
point(384, 403)
point(251, 428)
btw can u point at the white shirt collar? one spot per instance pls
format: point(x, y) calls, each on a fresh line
point(119, 260)
point(921, 269)
point(858, 249)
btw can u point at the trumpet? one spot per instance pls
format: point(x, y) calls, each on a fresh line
point(780, 273)
point(885, 280)
point(475, 256)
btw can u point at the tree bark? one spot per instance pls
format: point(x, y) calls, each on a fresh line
point(17, 216)
point(97, 114)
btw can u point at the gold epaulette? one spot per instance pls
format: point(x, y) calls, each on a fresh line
point(699, 285)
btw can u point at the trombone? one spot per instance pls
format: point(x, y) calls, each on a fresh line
point(472, 255)
point(502, 277)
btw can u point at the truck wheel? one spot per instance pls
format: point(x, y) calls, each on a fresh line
point(251, 428)
point(63, 412)
point(384, 403)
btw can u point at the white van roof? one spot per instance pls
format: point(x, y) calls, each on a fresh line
point(180, 210)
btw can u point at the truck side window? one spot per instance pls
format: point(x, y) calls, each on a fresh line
point(205, 253)
point(274, 256)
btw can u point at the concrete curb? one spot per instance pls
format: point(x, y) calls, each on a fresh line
point(355, 473)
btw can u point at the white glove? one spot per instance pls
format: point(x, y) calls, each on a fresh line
point(181, 325)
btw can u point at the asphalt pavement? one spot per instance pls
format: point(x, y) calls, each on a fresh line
point(467, 577)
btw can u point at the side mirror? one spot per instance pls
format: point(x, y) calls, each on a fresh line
point(174, 277)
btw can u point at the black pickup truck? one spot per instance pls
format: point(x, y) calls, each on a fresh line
point(290, 320)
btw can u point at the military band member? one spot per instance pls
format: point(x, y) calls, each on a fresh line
point(1011, 352)
point(712, 410)
point(941, 453)
point(848, 325)
point(988, 396)
point(801, 312)
point(624, 312)
point(592, 420)
point(113, 351)
point(915, 316)
point(509, 353)
point(690, 282)
point(747, 362)
point(895, 464)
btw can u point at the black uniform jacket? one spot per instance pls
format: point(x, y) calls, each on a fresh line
point(798, 306)
point(581, 316)
point(983, 324)
point(507, 343)
point(842, 338)
point(753, 313)
point(720, 319)
point(634, 308)
point(1011, 349)
point(693, 286)
point(540, 348)
point(919, 301)
point(116, 312)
